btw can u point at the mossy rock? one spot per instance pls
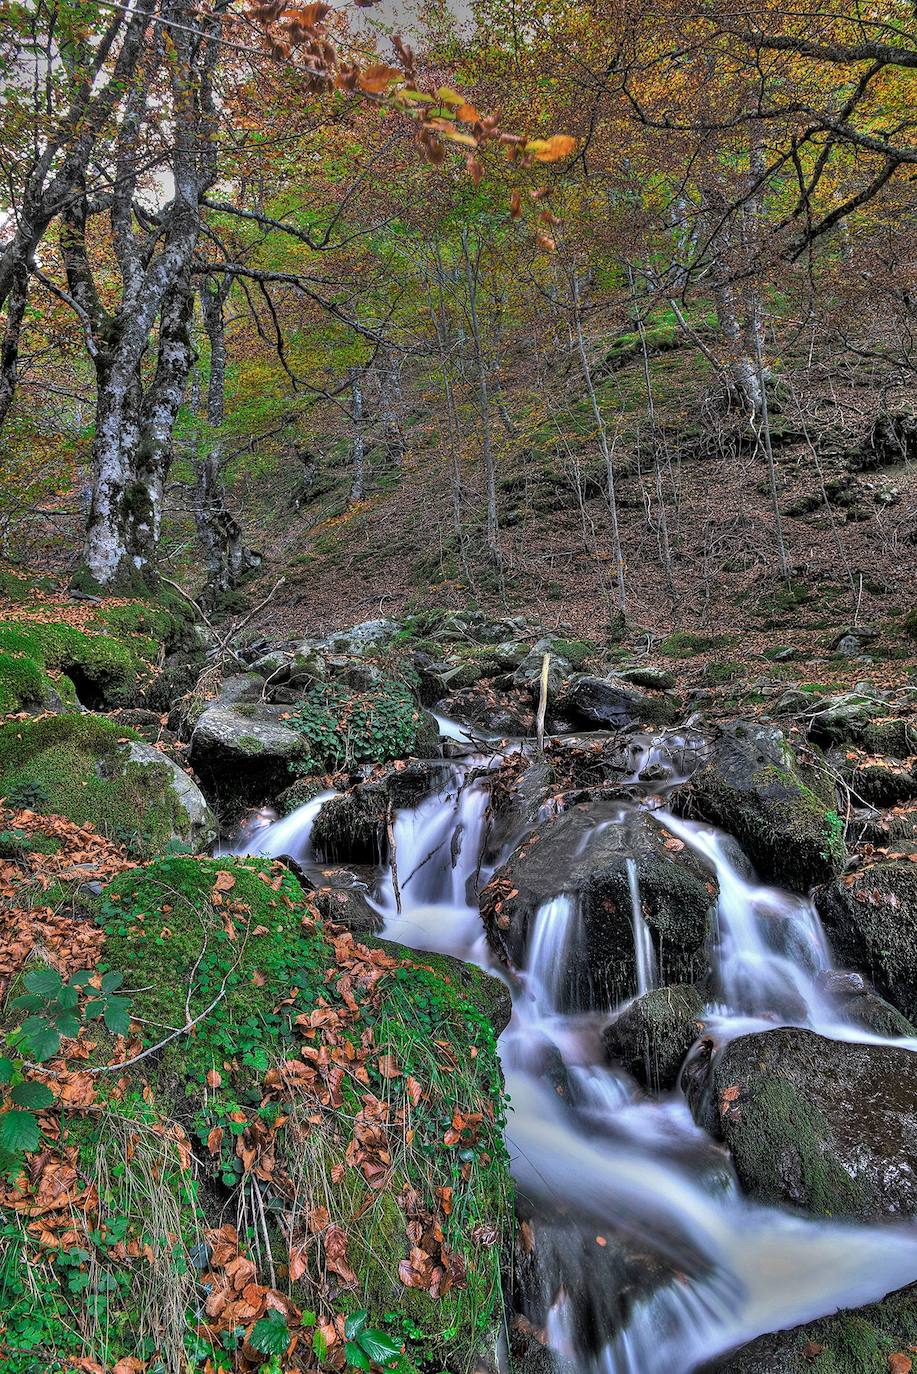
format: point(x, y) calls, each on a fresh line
point(104, 671)
point(783, 815)
point(578, 856)
point(97, 771)
point(236, 943)
point(826, 1126)
point(652, 1036)
point(870, 918)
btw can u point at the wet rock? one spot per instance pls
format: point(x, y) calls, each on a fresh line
point(652, 1036)
point(353, 828)
point(343, 897)
point(823, 1125)
point(865, 722)
point(583, 854)
point(613, 704)
point(870, 917)
point(503, 715)
point(244, 750)
point(856, 1341)
point(882, 784)
point(782, 814)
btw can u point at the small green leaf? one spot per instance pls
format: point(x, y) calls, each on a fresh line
point(112, 981)
point(34, 1095)
point(270, 1335)
point(82, 979)
point(116, 1015)
point(354, 1324)
point(66, 1023)
point(7, 1070)
point(44, 981)
point(40, 1038)
point(379, 1345)
point(319, 1344)
point(28, 1003)
point(19, 1131)
point(355, 1356)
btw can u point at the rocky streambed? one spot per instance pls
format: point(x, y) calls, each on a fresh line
point(710, 1059)
point(693, 933)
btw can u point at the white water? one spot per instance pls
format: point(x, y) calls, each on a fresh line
point(605, 1156)
point(644, 954)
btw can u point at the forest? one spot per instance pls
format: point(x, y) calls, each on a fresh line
point(458, 687)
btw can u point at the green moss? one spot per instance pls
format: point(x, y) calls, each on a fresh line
point(22, 683)
point(684, 644)
point(105, 671)
point(775, 1119)
point(245, 954)
point(77, 765)
point(575, 651)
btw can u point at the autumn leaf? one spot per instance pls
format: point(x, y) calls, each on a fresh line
point(552, 149)
point(224, 881)
point(376, 79)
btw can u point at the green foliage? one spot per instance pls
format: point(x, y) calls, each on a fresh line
point(106, 671)
point(366, 1346)
point(343, 727)
point(55, 1012)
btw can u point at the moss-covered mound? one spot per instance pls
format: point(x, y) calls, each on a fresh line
point(102, 671)
point(344, 1106)
point(81, 766)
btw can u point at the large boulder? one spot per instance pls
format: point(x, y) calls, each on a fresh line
point(590, 854)
point(782, 813)
point(652, 1036)
point(353, 828)
point(244, 749)
point(827, 1126)
point(865, 721)
point(612, 703)
point(99, 771)
point(870, 917)
point(858, 1341)
point(197, 824)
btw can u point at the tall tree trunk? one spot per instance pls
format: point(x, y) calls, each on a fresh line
point(357, 437)
point(227, 558)
point(9, 349)
point(487, 452)
point(389, 409)
point(605, 449)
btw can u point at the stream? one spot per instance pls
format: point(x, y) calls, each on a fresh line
point(606, 1165)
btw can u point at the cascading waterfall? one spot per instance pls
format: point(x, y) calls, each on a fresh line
point(644, 954)
point(605, 1157)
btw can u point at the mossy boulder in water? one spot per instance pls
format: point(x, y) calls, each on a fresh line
point(783, 814)
point(857, 1341)
point(827, 1126)
point(91, 769)
point(593, 855)
point(652, 1036)
point(870, 917)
